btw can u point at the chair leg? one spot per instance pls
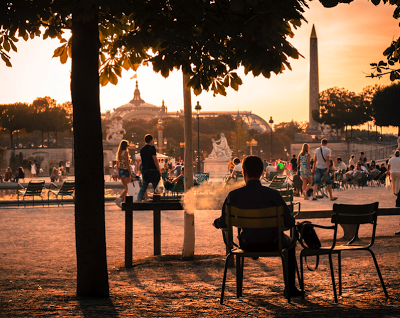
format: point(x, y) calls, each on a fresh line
point(379, 273)
point(333, 277)
point(298, 273)
point(239, 278)
point(301, 277)
point(286, 275)
point(340, 272)
point(224, 279)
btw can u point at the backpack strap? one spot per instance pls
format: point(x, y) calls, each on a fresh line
point(322, 154)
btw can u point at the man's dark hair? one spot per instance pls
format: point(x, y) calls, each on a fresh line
point(253, 166)
point(148, 138)
point(339, 159)
point(294, 155)
point(236, 161)
point(362, 153)
point(324, 141)
point(397, 153)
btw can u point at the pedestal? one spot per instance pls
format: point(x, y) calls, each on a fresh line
point(216, 169)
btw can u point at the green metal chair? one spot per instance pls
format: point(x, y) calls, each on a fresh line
point(277, 182)
point(287, 196)
point(34, 188)
point(67, 189)
point(344, 214)
point(255, 218)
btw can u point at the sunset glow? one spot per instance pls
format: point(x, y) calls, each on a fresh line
point(350, 37)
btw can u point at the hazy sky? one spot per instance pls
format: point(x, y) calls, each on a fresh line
point(350, 37)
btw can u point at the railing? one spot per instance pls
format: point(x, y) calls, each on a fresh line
point(377, 154)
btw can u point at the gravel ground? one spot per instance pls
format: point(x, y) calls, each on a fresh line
point(38, 269)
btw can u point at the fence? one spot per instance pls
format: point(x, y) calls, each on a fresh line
point(377, 154)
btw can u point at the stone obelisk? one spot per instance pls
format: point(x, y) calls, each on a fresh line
point(314, 80)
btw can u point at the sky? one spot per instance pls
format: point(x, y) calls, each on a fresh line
point(350, 37)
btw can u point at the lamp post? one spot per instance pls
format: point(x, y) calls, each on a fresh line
point(270, 124)
point(198, 109)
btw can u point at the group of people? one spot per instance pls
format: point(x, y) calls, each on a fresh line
point(150, 168)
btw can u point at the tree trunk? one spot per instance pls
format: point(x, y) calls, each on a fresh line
point(189, 238)
point(92, 276)
point(12, 141)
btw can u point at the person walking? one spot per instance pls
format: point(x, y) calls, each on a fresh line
point(124, 169)
point(303, 162)
point(321, 169)
point(150, 166)
point(394, 172)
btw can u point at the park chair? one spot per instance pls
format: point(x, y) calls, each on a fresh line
point(179, 187)
point(255, 218)
point(272, 175)
point(351, 215)
point(352, 181)
point(277, 182)
point(66, 189)
point(200, 177)
point(33, 189)
point(372, 176)
point(380, 179)
point(287, 196)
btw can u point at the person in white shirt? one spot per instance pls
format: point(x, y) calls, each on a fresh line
point(394, 172)
point(320, 169)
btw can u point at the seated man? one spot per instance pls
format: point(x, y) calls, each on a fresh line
point(236, 169)
point(254, 196)
point(170, 185)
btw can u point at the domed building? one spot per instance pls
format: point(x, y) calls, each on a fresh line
point(137, 108)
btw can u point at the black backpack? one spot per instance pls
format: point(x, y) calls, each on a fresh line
point(310, 238)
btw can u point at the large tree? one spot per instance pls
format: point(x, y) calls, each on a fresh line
point(386, 106)
point(13, 117)
point(207, 40)
point(335, 106)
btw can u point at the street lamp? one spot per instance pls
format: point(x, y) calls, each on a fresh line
point(270, 124)
point(198, 109)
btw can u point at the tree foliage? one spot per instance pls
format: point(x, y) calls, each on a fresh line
point(386, 106)
point(14, 117)
point(290, 129)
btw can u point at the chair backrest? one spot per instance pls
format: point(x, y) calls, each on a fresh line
point(201, 177)
point(287, 196)
point(356, 214)
point(68, 187)
point(277, 182)
point(35, 186)
point(179, 186)
point(254, 218)
point(271, 175)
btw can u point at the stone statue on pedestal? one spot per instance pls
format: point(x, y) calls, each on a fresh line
point(221, 150)
point(114, 132)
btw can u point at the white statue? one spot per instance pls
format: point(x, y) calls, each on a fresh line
point(221, 149)
point(114, 130)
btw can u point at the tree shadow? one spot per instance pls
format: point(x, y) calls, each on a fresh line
point(97, 307)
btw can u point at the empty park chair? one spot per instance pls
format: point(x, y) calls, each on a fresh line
point(67, 189)
point(287, 196)
point(254, 218)
point(351, 215)
point(34, 188)
point(277, 182)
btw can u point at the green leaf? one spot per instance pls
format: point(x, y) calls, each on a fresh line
point(14, 48)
